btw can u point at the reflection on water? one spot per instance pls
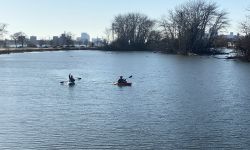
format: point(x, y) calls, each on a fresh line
point(175, 102)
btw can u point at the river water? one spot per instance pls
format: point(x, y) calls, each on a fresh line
point(175, 102)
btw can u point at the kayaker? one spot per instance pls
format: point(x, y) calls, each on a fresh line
point(121, 80)
point(71, 78)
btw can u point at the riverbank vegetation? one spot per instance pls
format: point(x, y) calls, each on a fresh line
point(2, 29)
point(192, 27)
point(243, 43)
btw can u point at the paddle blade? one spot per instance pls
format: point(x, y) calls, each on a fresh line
point(130, 76)
point(79, 78)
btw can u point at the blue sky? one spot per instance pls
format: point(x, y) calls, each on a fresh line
point(46, 18)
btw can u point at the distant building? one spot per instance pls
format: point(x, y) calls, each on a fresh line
point(66, 40)
point(231, 39)
point(2, 43)
point(98, 42)
point(33, 40)
point(85, 37)
point(55, 41)
point(78, 38)
point(62, 40)
point(79, 41)
point(230, 36)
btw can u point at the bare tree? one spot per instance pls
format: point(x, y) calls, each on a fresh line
point(15, 38)
point(79, 42)
point(18, 37)
point(154, 40)
point(243, 43)
point(131, 30)
point(108, 33)
point(22, 39)
point(67, 39)
point(2, 29)
point(42, 42)
point(2, 32)
point(245, 25)
point(194, 24)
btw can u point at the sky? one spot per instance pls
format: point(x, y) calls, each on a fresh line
point(46, 18)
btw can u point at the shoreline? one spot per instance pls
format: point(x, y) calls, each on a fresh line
point(27, 49)
point(24, 50)
point(4, 51)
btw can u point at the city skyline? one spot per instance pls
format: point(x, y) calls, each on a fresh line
point(49, 18)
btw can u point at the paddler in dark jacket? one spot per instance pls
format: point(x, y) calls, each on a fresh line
point(121, 80)
point(71, 78)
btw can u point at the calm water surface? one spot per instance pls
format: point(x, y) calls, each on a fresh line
point(175, 102)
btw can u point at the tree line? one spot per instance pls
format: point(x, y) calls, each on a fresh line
point(192, 27)
point(65, 40)
point(243, 44)
point(21, 40)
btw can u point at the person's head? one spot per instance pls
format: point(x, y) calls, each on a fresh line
point(121, 77)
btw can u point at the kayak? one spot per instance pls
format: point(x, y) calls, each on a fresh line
point(123, 84)
point(71, 83)
point(68, 83)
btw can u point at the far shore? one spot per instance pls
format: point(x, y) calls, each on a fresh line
point(30, 49)
point(27, 49)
